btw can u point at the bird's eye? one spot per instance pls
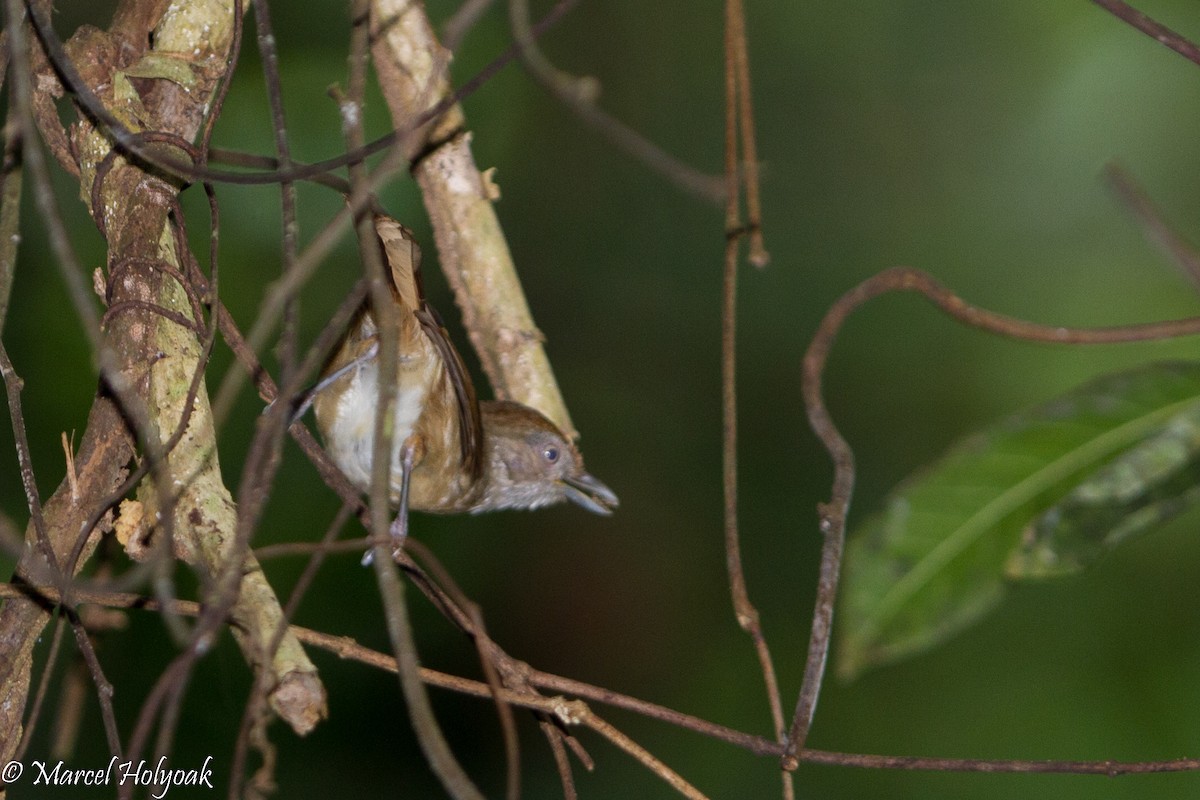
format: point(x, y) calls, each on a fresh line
point(550, 454)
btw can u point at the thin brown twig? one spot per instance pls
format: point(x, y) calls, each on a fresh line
point(464, 19)
point(127, 142)
point(10, 207)
point(424, 722)
point(39, 696)
point(285, 549)
point(72, 700)
point(641, 754)
point(239, 158)
point(169, 719)
point(73, 688)
point(1150, 219)
point(579, 95)
point(13, 386)
point(4, 56)
point(562, 762)
point(72, 475)
point(172, 678)
point(1155, 30)
point(744, 610)
point(453, 602)
point(287, 189)
point(254, 713)
point(346, 648)
point(45, 118)
point(490, 654)
point(494, 662)
point(222, 91)
point(1111, 769)
point(508, 725)
point(104, 689)
point(759, 745)
point(738, 51)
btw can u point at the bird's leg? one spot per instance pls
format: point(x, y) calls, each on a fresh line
point(305, 400)
point(399, 527)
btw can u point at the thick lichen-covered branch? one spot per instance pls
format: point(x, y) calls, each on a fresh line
point(191, 46)
point(155, 332)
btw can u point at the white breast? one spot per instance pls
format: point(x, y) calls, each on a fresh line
point(351, 437)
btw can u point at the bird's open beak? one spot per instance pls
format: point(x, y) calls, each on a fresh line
point(586, 491)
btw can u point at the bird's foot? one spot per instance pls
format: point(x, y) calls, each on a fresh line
point(399, 534)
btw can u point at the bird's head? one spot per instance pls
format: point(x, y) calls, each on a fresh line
point(529, 463)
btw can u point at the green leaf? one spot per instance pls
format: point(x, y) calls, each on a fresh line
point(934, 561)
point(1148, 484)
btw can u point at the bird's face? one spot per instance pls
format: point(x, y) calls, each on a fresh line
point(530, 463)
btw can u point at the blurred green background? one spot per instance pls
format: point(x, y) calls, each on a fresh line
point(966, 139)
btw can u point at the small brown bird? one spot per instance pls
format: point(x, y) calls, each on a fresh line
point(450, 453)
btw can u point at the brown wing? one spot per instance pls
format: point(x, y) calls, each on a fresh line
point(470, 424)
point(403, 257)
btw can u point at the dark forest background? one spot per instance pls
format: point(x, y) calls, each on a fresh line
point(966, 139)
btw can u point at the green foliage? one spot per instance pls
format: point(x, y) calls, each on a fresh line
point(1046, 491)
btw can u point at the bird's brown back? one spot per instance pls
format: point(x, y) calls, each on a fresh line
point(403, 258)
